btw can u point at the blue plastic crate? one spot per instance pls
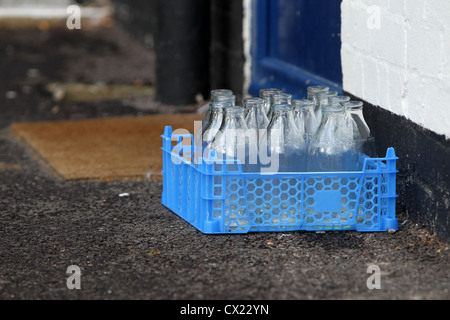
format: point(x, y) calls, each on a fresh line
point(217, 198)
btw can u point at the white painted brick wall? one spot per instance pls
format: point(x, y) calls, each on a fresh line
point(396, 54)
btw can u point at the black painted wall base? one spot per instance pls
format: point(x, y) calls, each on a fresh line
point(424, 176)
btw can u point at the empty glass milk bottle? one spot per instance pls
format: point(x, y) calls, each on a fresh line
point(279, 99)
point(312, 92)
point(286, 146)
point(305, 118)
point(219, 95)
point(362, 135)
point(322, 101)
point(231, 141)
point(255, 116)
point(209, 132)
point(257, 123)
point(333, 148)
point(267, 94)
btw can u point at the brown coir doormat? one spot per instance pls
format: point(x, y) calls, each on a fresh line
point(103, 149)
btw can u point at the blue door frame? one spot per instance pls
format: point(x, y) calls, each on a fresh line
point(296, 44)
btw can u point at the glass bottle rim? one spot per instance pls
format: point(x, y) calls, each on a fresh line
point(282, 108)
point(316, 89)
point(266, 93)
point(328, 94)
point(302, 103)
point(226, 92)
point(224, 98)
point(338, 99)
point(282, 94)
point(353, 105)
point(286, 97)
point(253, 101)
point(333, 108)
point(234, 110)
point(220, 104)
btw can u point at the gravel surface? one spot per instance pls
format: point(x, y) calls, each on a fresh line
point(131, 247)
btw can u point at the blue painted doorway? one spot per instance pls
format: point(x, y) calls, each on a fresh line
point(296, 44)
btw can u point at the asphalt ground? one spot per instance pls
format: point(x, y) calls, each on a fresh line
point(133, 248)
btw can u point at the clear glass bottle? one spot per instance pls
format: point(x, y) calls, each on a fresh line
point(279, 99)
point(313, 91)
point(305, 118)
point(285, 143)
point(209, 132)
point(362, 135)
point(255, 117)
point(322, 100)
point(231, 141)
point(219, 95)
point(333, 148)
point(267, 94)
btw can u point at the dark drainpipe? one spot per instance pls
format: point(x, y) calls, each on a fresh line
point(182, 49)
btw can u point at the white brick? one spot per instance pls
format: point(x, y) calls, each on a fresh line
point(380, 3)
point(424, 51)
point(388, 43)
point(437, 111)
point(437, 14)
point(370, 80)
point(383, 86)
point(415, 10)
point(354, 25)
point(353, 66)
point(445, 61)
point(397, 7)
point(397, 89)
point(404, 65)
point(415, 97)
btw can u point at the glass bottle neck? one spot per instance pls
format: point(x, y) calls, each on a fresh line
point(304, 109)
point(234, 117)
point(332, 113)
point(282, 115)
point(254, 104)
point(314, 90)
point(301, 104)
point(220, 105)
point(356, 111)
point(216, 111)
point(324, 98)
point(255, 110)
point(354, 108)
point(338, 99)
point(281, 100)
